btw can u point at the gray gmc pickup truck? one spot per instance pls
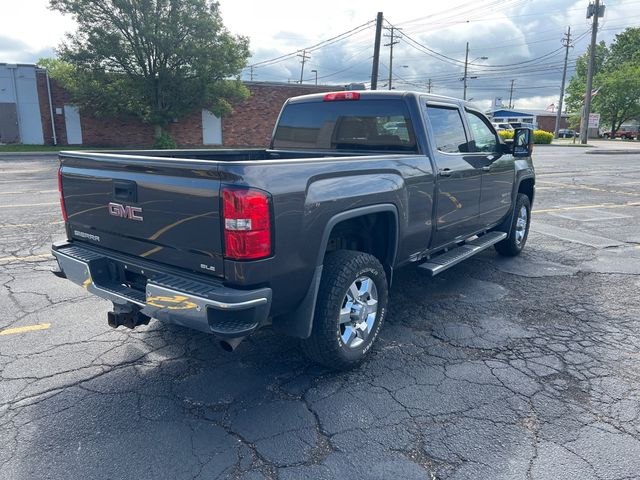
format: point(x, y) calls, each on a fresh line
point(305, 235)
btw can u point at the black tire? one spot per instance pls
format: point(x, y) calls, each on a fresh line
point(512, 246)
point(343, 268)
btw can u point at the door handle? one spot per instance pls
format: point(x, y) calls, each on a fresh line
point(445, 172)
point(125, 190)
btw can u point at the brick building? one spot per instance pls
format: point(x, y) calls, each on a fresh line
point(249, 125)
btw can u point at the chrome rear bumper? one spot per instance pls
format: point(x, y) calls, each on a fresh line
point(203, 305)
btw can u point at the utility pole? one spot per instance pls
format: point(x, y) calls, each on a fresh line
point(304, 57)
point(390, 45)
point(464, 79)
point(429, 86)
point(566, 41)
point(511, 94)
point(593, 10)
point(251, 72)
point(376, 53)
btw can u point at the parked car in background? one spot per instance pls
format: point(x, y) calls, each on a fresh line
point(500, 127)
point(566, 133)
point(628, 132)
point(532, 126)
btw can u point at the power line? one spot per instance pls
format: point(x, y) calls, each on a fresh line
point(567, 44)
point(511, 94)
point(594, 11)
point(376, 52)
point(322, 44)
point(304, 58)
point(391, 43)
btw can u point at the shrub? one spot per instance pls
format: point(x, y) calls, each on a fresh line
point(164, 142)
point(542, 137)
point(539, 136)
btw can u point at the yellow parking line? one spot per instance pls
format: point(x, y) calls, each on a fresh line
point(28, 258)
point(30, 205)
point(28, 328)
point(582, 207)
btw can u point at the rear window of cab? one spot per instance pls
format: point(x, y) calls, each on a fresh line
point(374, 125)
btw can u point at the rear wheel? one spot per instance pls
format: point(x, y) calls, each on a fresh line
point(350, 309)
point(515, 242)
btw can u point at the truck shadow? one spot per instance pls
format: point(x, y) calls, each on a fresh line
point(169, 403)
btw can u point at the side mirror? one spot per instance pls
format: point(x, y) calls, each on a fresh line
point(506, 148)
point(522, 142)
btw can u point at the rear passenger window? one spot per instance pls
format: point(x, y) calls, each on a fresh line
point(448, 130)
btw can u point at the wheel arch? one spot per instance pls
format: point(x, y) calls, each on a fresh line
point(300, 322)
point(391, 238)
point(527, 186)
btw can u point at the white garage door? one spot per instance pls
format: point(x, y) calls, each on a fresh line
point(211, 129)
point(72, 124)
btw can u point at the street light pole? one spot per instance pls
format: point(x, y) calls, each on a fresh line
point(316, 72)
point(584, 127)
point(464, 79)
point(511, 94)
point(466, 69)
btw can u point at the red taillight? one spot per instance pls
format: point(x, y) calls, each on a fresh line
point(247, 224)
point(62, 207)
point(335, 96)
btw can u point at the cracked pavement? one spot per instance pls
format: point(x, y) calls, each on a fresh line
point(525, 368)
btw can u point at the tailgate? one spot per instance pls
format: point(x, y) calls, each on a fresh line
point(163, 210)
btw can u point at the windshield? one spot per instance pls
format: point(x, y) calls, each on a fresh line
point(346, 125)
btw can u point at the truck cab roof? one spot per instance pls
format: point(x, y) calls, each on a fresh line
point(383, 95)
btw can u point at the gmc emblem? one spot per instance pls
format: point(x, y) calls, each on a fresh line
point(125, 211)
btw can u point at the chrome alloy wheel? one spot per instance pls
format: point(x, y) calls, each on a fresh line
point(521, 225)
point(358, 312)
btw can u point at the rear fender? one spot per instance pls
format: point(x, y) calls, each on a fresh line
point(300, 322)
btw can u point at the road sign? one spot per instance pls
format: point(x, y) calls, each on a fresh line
point(594, 120)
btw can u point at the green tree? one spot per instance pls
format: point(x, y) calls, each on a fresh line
point(618, 99)
point(578, 83)
point(625, 48)
point(156, 60)
point(615, 78)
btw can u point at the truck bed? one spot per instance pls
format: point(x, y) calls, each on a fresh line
point(162, 205)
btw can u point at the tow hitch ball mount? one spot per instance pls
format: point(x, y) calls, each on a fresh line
point(126, 315)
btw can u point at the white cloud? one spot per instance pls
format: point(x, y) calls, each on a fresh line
point(506, 31)
point(31, 22)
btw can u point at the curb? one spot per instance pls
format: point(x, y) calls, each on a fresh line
point(28, 154)
point(614, 152)
point(564, 145)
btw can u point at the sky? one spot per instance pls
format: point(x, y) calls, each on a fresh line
point(521, 40)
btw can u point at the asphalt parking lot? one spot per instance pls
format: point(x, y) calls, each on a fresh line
point(525, 368)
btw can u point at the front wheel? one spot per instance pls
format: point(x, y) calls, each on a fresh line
point(515, 242)
point(350, 309)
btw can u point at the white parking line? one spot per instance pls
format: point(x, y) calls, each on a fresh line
point(30, 205)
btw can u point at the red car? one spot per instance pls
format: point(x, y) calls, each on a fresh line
point(630, 132)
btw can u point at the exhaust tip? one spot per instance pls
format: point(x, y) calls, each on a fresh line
point(230, 344)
